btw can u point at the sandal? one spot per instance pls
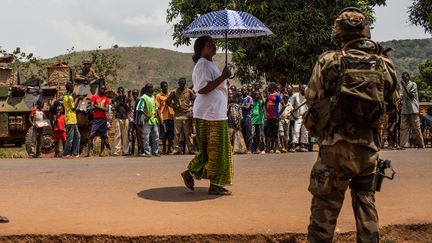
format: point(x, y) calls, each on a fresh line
point(218, 190)
point(4, 220)
point(188, 180)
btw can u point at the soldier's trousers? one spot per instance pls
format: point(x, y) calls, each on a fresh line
point(338, 165)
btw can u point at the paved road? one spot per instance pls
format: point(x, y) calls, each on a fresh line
point(139, 196)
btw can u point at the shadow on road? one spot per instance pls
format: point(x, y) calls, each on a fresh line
point(176, 194)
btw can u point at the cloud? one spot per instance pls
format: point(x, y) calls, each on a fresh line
point(153, 21)
point(83, 36)
point(157, 20)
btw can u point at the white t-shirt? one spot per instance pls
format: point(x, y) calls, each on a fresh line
point(212, 106)
point(296, 101)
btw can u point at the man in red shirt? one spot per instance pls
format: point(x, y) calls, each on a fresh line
point(273, 101)
point(99, 125)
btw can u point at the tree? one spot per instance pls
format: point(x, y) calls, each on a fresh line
point(420, 14)
point(106, 65)
point(302, 31)
point(424, 81)
point(28, 65)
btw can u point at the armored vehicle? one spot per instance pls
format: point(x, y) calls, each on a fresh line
point(16, 102)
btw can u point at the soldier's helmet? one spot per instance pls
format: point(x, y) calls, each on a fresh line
point(349, 25)
point(87, 61)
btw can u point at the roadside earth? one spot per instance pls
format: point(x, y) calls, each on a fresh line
point(389, 234)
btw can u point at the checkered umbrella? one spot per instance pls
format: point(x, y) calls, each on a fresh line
point(226, 24)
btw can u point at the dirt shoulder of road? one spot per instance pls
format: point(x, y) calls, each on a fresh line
point(393, 233)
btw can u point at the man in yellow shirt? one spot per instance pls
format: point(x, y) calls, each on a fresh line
point(166, 117)
point(73, 137)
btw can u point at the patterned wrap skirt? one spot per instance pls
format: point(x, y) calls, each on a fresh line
point(213, 159)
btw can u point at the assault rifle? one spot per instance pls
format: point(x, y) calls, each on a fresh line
point(410, 96)
point(382, 166)
point(296, 109)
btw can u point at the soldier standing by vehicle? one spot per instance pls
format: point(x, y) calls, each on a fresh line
point(86, 74)
point(348, 93)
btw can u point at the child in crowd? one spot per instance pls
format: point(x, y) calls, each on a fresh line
point(257, 120)
point(59, 131)
point(234, 117)
point(36, 117)
point(284, 123)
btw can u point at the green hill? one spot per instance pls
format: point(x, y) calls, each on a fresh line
point(408, 54)
point(145, 64)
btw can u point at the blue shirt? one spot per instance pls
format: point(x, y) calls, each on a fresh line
point(243, 102)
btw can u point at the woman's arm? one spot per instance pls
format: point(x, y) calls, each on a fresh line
point(226, 73)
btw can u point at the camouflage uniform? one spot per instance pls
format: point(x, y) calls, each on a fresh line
point(90, 75)
point(347, 157)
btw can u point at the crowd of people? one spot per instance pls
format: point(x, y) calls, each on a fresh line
point(356, 86)
point(147, 124)
point(260, 120)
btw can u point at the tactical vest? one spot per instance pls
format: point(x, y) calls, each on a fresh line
point(359, 96)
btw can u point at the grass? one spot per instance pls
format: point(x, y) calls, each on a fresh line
point(13, 153)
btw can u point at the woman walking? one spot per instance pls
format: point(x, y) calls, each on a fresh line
point(213, 160)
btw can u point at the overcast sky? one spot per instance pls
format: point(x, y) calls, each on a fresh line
point(50, 27)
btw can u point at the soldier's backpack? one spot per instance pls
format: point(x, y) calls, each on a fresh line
point(359, 96)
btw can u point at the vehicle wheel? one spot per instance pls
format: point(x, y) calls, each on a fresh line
point(48, 145)
point(30, 142)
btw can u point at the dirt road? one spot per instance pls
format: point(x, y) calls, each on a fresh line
point(141, 196)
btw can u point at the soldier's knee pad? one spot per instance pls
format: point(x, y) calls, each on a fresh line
point(363, 184)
